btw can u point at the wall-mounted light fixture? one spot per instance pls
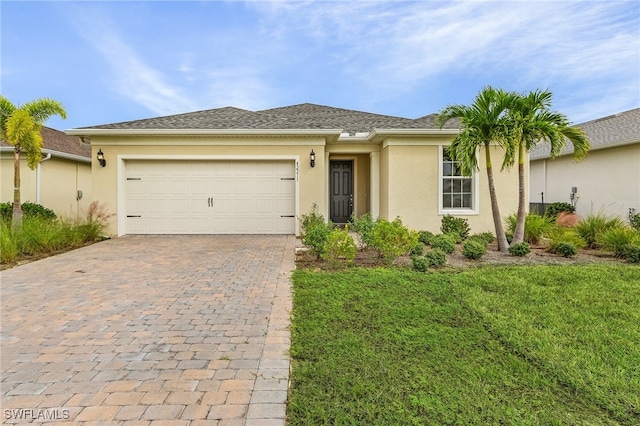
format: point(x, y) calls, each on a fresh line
point(312, 158)
point(101, 159)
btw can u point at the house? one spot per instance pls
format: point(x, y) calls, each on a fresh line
point(231, 170)
point(607, 181)
point(62, 179)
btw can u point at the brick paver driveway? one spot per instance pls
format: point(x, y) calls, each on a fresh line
point(150, 330)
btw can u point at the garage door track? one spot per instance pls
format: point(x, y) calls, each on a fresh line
point(150, 330)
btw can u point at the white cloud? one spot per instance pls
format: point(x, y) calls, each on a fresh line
point(130, 75)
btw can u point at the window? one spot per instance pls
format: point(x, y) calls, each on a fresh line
point(457, 192)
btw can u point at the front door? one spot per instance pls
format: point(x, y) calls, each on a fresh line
point(341, 183)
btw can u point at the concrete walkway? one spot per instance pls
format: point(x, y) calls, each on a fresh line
point(150, 330)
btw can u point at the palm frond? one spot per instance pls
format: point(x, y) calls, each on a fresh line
point(42, 109)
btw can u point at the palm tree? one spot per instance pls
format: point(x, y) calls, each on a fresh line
point(20, 127)
point(531, 122)
point(482, 124)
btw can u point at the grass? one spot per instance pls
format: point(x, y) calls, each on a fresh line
point(502, 345)
point(43, 237)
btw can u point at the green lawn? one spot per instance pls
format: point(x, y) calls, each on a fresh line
point(501, 345)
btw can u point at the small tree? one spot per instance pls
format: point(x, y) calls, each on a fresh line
point(482, 124)
point(530, 122)
point(20, 127)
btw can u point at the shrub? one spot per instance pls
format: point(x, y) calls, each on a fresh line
point(315, 231)
point(97, 221)
point(617, 239)
point(566, 249)
point(363, 226)
point(535, 227)
point(520, 249)
point(455, 237)
point(457, 225)
point(41, 236)
point(592, 226)
point(567, 236)
point(435, 258)
point(425, 237)
point(392, 239)
point(632, 253)
point(340, 248)
point(485, 237)
point(474, 249)
point(446, 243)
point(554, 209)
point(634, 221)
point(418, 249)
point(420, 263)
point(29, 210)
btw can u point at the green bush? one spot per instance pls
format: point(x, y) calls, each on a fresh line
point(485, 237)
point(363, 226)
point(444, 242)
point(634, 221)
point(632, 253)
point(340, 248)
point(455, 237)
point(29, 210)
point(536, 227)
point(435, 258)
point(554, 209)
point(520, 249)
point(315, 231)
point(41, 236)
point(418, 250)
point(420, 263)
point(474, 249)
point(565, 249)
point(457, 225)
point(392, 239)
point(617, 239)
point(425, 237)
point(592, 226)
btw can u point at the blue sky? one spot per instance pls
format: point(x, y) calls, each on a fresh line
point(119, 60)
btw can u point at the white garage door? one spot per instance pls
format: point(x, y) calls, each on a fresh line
point(210, 197)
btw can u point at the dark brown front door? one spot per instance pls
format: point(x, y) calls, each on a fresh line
point(341, 183)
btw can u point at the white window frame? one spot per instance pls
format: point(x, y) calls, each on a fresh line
point(475, 188)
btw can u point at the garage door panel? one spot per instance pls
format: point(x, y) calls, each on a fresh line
point(204, 197)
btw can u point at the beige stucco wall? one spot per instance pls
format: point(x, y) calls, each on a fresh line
point(60, 179)
point(608, 181)
point(60, 182)
point(413, 194)
point(27, 180)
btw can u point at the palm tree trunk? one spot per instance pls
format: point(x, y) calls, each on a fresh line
point(16, 221)
point(503, 245)
point(518, 233)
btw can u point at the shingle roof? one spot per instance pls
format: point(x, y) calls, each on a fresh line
point(302, 116)
point(55, 140)
point(618, 129)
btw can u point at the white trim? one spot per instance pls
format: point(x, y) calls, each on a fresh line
point(57, 154)
point(121, 177)
point(475, 183)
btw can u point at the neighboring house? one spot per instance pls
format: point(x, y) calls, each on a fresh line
point(607, 181)
point(230, 170)
point(62, 179)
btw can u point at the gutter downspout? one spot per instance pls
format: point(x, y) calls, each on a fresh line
point(39, 177)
